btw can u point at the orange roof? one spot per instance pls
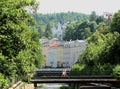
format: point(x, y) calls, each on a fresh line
point(54, 44)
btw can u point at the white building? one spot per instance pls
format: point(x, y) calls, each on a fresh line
point(58, 32)
point(107, 15)
point(52, 55)
point(63, 54)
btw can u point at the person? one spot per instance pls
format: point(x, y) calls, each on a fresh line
point(64, 74)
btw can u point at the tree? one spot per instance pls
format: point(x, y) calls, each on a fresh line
point(102, 51)
point(3, 82)
point(98, 55)
point(20, 51)
point(93, 16)
point(79, 30)
point(40, 31)
point(115, 26)
point(43, 19)
point(69, 33)
point(99, 19)
point(48, 31)
point(93, 26)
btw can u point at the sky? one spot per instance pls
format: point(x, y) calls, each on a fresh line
point(82, 6)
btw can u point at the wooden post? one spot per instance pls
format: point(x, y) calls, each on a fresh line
point(35, 85)
point(76, 85)
point(70, 84)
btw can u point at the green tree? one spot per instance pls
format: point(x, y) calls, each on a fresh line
point(93, 26)
point(79, 30)
point(103, 50)
point(115, 26)
point(20, 51)
point(99, 19)
point(54, 18)
point(3, 82)
point(48, 31)
point(69, 33)
point(97, 56)
point(93, 16)
point(40, 31)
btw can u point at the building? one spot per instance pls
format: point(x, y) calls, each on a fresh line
point(58, 31)
point(62, 53)
point(107, 15)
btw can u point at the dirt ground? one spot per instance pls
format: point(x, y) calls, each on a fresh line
point(28, 86)
point(22, 86)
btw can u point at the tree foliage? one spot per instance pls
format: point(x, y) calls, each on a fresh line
point(60, 17)
point(20, 49)
point(48, 31)
point(83, 30)
point(79, 30)
point(55, 18)
point(101, 55)
point(116, 71)
point(93, 16)
point(115, 26)
point(3, 81)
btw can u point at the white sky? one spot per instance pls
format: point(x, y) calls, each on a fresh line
point(83, 6)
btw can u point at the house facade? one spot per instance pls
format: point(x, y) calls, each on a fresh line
point(62, 53)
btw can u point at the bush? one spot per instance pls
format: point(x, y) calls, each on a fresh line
point(66, 87)
point(3, 82)
point(116, 71)
point(77, 69)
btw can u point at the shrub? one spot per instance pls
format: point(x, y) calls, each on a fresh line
point(3, 82)
point(116, 71)
point(77, 69)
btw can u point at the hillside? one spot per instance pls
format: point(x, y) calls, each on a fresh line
point(43, 19)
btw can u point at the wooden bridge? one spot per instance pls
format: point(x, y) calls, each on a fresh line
point(55, 77)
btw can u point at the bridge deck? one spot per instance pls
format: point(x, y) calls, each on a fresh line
point(69, 79)
point(54, 76)
point(80, 76)
point(75, 80)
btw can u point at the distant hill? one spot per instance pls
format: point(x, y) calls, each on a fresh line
point(43, 19)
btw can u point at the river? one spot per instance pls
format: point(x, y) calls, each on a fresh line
point(52, 86)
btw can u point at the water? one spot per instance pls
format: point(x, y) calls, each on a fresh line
point(52, 86)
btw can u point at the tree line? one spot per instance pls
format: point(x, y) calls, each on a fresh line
point(82, 30)
point(59, 17)
point(20, 52)
point(45, 22)
point(79, 26)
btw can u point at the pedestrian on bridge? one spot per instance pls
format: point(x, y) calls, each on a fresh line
point(64, 74)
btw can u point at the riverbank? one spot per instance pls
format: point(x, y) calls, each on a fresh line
point(52, 86)
point(22, 85)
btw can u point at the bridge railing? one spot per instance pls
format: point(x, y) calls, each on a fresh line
point(74, 77)
point(53, 69)
point(91, 72)
point(52, 73)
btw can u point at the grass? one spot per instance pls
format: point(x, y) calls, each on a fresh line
point(41, 84)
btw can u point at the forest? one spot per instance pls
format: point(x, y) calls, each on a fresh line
point(48, 21)
point(82, 30)
point(62, 17)
point(101, 55)
point(78, 25)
